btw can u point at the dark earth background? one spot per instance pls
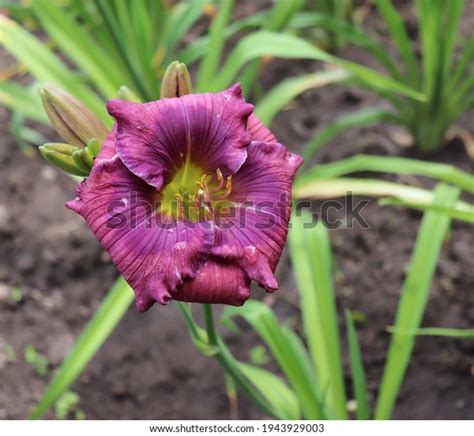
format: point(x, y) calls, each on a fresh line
point(149, 368)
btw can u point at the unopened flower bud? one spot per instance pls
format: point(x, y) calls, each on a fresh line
point(83, 160)
point(74, 122)
point(93, 147)
point(61, 155)
point(176, 81)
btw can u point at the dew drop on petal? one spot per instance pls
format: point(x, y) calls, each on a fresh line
point(180, 245)
point(251, 249)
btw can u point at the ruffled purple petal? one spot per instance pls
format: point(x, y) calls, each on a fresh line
point(154, 139)
point(108, 150)
point(204, 262)
point(258, 131)
point(154, 254)
point(218, 281)
point(255, 234)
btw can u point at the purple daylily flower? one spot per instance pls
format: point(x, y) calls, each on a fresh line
point(191, 197)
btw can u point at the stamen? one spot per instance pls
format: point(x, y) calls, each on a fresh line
point(194, 200)
point(179, 201)
point(227, 190)
point(203, 202)
point(220, 179)
point(228, 185)
point(204, 183)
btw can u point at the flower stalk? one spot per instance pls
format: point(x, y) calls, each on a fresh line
point(228, 363)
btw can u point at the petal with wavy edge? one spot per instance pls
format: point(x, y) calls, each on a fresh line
point(218, 281)
point(154, 254)
point(255, 234)
point(108, 150)
point(155, 139)
point(258, 131)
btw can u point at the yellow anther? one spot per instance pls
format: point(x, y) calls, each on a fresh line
point(220, 177)
point(228, 184)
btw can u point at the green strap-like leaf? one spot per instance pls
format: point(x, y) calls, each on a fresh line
point(311, 260)
point(287, 90)
point(400, 38)
point(361, 118)
point(275, 21)
point(287, 350)
point(180, 20)
point(436, 331)
point(414, 298)
point(429, 20)
point(45, 66)
point(275, 390)
point(22, 99)
point(80, 47)
point(391, 164)
point(460, 211)
point(120, 35)
point(200, 46)
point(211, 59)
point(261, 43)
point(357, 370)
point(389, 193)
point(461, 68)
point(453, 11)
point(351, 33)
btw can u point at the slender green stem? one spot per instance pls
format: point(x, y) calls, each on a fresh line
point(228, 362)
point(209, 321)
point(188, 318)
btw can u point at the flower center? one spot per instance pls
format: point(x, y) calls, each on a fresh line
point(194, 195)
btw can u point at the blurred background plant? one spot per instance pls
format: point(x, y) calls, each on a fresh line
point(328, 14)
point(439, 67)
point(98, 49)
